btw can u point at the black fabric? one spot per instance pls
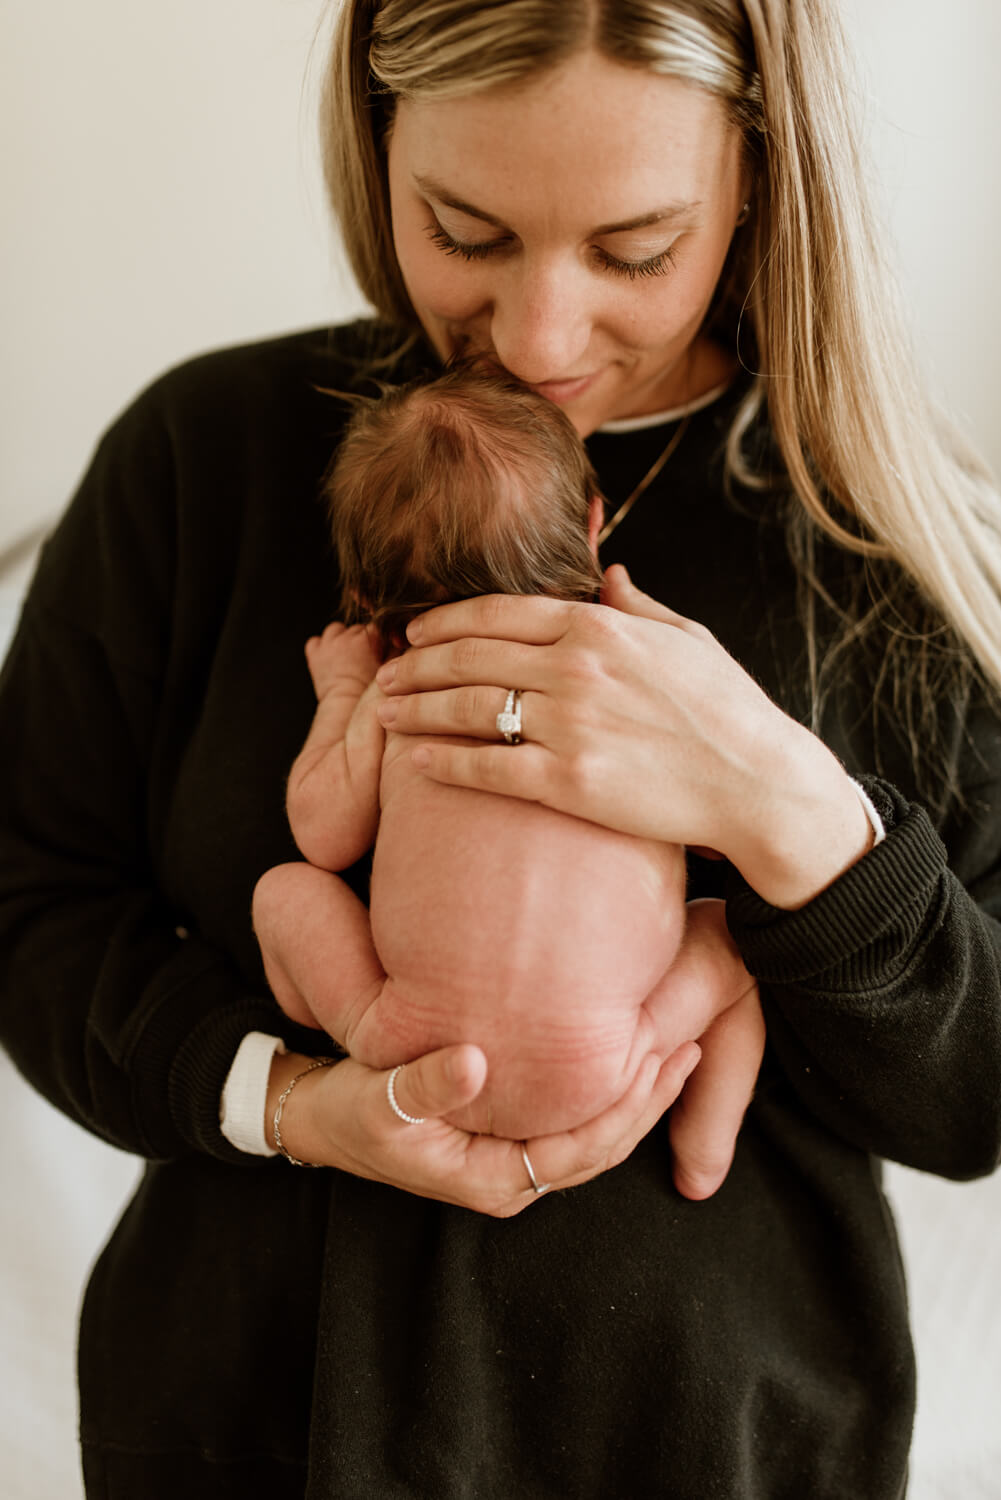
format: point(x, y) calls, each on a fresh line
point(613, 1340)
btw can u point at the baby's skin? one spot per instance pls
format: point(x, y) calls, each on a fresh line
point(553, 944)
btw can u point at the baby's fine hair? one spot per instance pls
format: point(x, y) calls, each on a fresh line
point(462, 485)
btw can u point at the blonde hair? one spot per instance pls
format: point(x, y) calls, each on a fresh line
point(805, 300)
point(467, 484)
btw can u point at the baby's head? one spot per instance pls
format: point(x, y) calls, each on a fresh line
point(466, 484)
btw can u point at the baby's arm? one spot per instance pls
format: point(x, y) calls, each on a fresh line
point(333, 789)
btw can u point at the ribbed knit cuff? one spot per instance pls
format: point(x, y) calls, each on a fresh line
point(858, 931)
point(185, 1049)
point(198, 1070)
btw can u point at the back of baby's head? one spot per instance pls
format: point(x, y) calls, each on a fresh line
point(467, 484)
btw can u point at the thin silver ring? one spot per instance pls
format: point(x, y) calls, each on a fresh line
point(509, 719)
point(538, 1187)
point(401, 1114)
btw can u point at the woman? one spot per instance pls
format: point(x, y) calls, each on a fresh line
point(653, 215)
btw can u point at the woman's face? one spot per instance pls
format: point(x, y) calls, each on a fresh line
point(572, 228)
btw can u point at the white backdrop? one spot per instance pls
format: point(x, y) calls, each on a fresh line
point(160, 195)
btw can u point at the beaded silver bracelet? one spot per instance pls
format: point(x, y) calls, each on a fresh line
point(321, 1062)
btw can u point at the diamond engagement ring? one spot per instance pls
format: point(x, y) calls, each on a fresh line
point(509, 721)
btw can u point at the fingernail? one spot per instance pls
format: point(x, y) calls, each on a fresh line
point(692, 1057)
point(415, 630)
point(386, 712)
point(385, 674)
point(697, 1186)
point(421, 757)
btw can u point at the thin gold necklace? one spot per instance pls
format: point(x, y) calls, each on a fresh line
point(646, 481)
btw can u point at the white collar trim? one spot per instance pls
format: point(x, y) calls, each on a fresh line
point(656, 418)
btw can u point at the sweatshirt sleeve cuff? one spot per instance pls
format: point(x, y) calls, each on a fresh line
point(244, 1094)
point(872, 813)
point(861, 930)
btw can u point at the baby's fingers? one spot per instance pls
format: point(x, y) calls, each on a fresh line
point(345, 654)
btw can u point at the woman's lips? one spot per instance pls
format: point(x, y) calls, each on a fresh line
point(563, 391)
point(558, 391)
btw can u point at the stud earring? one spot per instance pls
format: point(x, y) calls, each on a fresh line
point(744, 215)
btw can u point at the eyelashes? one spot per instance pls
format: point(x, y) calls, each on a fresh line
point(654, 265)
point(632, 270)
point(444, 241)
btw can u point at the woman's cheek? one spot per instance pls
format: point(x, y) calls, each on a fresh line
point(454, 292)
point(673, 317)
point(435, 287)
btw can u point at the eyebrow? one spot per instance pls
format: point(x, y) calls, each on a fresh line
point(670, 213)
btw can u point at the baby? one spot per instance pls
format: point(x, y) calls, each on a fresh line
point(546, 940)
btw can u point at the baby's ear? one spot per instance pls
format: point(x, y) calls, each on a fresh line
point(595, 521)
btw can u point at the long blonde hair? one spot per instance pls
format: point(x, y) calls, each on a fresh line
point(805, 300)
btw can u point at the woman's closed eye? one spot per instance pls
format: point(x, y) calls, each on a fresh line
point(475, 250)
point(650, 265)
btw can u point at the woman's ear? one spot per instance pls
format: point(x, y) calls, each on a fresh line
point(595, 521)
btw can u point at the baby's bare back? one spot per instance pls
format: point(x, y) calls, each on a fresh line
point(529, 932)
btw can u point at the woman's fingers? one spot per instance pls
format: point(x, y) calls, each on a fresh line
point(708, 1116)
point(485, 1173)
point(468, 711)
point(619, 592)
point(578, 1155)
point(423, 1155)
point(351, 1107)
point(470, 661)
point(440, 1082)
point(527, 771)
point(533, 620)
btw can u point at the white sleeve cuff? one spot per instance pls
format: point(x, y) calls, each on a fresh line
point(245, 1094)
point(878, 827)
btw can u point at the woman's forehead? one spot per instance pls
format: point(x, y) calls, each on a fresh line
point(621, 142)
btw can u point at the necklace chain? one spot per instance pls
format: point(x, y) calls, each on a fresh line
point(645, 482)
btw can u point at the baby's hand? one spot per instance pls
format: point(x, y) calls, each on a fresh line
point(333, 787)
point(344, 658)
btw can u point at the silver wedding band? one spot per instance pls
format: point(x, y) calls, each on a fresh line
point(509, 719)
point(400, 1114)
point(538, 1187)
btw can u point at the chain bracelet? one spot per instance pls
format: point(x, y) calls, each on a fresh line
point(321, 1062)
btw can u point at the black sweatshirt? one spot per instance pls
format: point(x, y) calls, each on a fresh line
point(256, 1329)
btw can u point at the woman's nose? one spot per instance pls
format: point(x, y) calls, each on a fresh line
point(541, 325)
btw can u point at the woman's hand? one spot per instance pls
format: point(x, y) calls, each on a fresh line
point(633, 717)
point(708, 995)
point(341, 1117)
point(706, 1119)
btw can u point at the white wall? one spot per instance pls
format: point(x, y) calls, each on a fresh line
point(160, 195)
point(932, 75)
